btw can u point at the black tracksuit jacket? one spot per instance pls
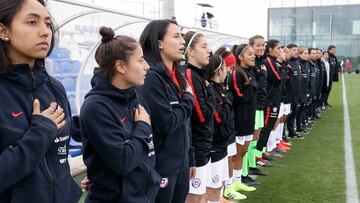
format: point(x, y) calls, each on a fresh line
point(312, 82)
point(244, 103)
point(224, 121)
point(202, 120)
point(305, 80)
point(295, 75)
point(118, 152)
point(33, 152)
point(274, 92)
point(261, 77)
point(170, 120)
point(334, 68)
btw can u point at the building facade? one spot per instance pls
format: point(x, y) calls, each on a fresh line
point(319, 26)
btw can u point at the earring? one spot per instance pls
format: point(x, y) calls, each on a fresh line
point(5, 39)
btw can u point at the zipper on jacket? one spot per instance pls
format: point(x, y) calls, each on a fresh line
point(146, 185)
point(51, 180)
point(32, 86)
point(52, 184)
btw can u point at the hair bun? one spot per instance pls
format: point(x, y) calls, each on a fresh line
point(106, 33)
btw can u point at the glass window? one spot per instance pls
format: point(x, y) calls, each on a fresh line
point(356, 27)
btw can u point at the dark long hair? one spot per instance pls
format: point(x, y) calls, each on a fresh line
point(8, 9)
point(214, 62)
point(187, 38)
point(239, 51)
point(149, 41)
point(112, 49)
point(221, 51)
point(272, 43)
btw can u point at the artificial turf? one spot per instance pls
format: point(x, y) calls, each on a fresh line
point(313, 171)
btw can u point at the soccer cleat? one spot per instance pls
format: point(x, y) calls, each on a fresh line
point(283, 147)
point(256, 171)
point(231, 194)
point(268, 157)
point(276, 154)
point(287, 144)
point(286, 139)
point(240, 187)
point(262, 162)
point(247, 180)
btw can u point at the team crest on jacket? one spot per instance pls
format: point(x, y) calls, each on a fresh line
point(275, 109)
point(164, 182)
point(263, 67)
point(196, 183)
point(215, 179)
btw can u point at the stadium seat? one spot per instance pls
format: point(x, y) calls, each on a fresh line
point(68, 83)
point(76, 66)
point(57, 67)
point(64, 53)
point(66, 67)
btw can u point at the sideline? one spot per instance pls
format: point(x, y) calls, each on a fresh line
point(351, 184)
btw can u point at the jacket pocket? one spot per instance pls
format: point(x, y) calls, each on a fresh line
point(36, 195)
point(153, 185)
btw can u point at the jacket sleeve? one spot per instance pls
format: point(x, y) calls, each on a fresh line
point(107, 137)
point(273, 74)
point(22, 158)
point(222, 109)
point(237, 83)
point(166, 117)
point(191, 154)
point(204, 100)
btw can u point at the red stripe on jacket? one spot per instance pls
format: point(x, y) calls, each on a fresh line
point(236, 87)
point(217, 117)
point(197, 104)
point(273, 68)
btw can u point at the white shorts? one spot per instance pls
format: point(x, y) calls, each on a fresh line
point(287, 109)
point(201, 180)
point(231, 149)
point(281, 110)
point(241, 139)
point(219, 173)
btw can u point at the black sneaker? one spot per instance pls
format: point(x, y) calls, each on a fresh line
point(268, 157)
point(286, 139)
point(296, 136)
point(256, 171)
point(303, 132)
point(299, 137)
point(276, 154)
point(247, 180)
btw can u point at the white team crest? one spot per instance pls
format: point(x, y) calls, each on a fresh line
point(215, 179)
point(196, 183)
point(164, 182)
point(275, 109)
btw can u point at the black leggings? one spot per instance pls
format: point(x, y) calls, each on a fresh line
point(271, 114)
point(299, 116)
point(291, 118)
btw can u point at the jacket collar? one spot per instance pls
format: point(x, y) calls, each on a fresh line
point(199, 71)
point(100, 86)
point(22, 76)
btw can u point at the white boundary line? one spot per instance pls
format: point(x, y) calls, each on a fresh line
point(351, 183)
